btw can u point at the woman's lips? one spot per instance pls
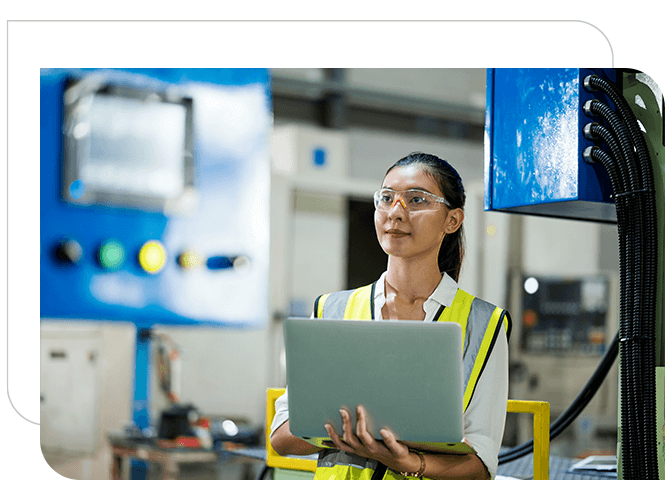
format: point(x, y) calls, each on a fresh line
point(396, 232)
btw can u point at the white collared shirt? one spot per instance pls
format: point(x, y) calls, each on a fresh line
point(484, 419)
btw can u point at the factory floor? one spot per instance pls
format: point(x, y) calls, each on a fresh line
point(232, 466)
point(560, 468)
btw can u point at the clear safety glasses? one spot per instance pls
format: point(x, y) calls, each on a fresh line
point(413, 200)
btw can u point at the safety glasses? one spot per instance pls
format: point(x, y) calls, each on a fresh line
point(413, 200)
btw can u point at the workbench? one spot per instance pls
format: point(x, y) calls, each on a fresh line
point(162, 452)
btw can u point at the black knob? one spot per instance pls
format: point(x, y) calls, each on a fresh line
point(68, 251)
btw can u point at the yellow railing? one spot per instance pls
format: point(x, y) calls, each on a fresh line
point(275, 459)
point(539, 409)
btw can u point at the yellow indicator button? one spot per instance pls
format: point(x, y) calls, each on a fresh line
point(152, 256)
point(189, 259)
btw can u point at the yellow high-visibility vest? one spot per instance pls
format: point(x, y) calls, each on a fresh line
point(480, 321)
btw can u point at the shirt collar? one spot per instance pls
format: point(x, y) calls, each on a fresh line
point(444, 293)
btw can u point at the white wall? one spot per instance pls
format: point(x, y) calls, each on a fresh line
point(484, 271)
point(561, 247)
point(318, 264)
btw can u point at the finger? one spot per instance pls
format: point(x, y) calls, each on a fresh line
point(397, 448)
point(347, 430)
point(337, 442)
point(362, 431)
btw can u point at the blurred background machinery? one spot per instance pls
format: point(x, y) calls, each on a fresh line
point(154, 206)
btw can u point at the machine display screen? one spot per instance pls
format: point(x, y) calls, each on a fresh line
point(562, 292)
point(134, 147)
point(566, 316)
point(126, 148)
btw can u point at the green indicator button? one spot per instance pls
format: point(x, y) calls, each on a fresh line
point(111, 254)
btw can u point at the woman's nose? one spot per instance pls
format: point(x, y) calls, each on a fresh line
point(398, 209)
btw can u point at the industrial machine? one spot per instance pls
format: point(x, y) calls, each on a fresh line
point(154, 208)
point(588, 145)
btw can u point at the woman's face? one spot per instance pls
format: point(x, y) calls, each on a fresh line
point(416, 234)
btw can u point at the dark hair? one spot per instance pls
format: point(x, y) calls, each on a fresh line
point(452, 250)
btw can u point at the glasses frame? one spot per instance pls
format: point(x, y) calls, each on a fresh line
point(377, 194)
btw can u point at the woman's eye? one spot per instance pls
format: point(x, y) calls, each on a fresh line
point(417, 200)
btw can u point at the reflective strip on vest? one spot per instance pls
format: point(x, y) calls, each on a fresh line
point(347, 304)
point(318, 307)
point(340, 465)
point(479, 348)
point(337, 464)
point(480, 322)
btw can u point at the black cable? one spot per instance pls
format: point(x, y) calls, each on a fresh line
point(580, 402)
point(593, 154)
point(595, 108)
point(594, 131)
point(589, 390)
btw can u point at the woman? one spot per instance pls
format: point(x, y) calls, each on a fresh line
point(419, 224)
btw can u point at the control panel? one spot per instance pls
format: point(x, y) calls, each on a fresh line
point(154, 195)
point(565, 315)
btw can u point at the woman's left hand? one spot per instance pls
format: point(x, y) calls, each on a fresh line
point(390, 452)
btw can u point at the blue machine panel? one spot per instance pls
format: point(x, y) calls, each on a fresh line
point(534, 144)
point(211, 232)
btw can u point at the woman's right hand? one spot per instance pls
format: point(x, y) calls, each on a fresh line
point(359, 441)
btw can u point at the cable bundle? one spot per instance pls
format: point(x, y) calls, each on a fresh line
point(628, 165)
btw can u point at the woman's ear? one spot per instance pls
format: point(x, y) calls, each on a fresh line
point(454, 220)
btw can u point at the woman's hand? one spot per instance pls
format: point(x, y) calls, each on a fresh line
point(390, 452)
point(397, 456)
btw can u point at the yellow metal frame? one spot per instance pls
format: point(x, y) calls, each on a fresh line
point(275, 459)
point(539, 409)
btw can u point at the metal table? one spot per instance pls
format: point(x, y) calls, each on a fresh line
point(157, 451)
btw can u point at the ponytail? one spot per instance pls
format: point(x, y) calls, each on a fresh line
point(452, 253)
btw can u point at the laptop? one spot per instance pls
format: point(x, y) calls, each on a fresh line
point(408, 375)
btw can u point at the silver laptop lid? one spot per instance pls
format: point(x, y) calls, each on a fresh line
point(407, 374)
